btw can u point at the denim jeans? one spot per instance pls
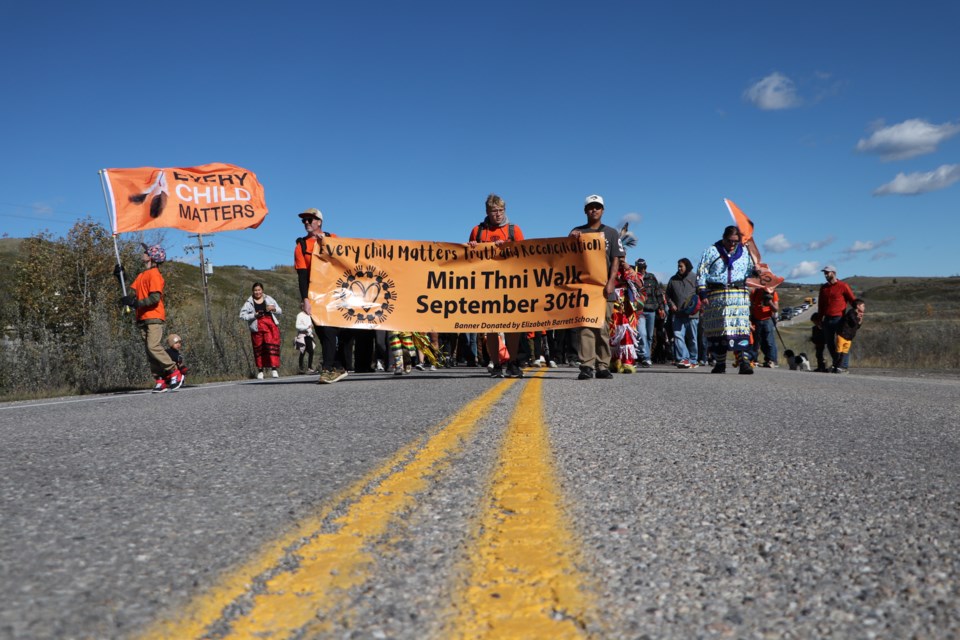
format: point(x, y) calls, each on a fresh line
point(767, 339)
point(684, 329)
point(646, 329)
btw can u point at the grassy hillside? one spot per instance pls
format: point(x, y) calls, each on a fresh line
point(909, 323)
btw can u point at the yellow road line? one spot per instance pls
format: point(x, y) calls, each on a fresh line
point(522, 580)
point(330, 562)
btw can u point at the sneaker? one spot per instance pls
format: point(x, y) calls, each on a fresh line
point(513, 370)
point(720, 367)
point(694, 365)
point(174, 380)
point(418, 366)
point(378, 366)
point(161, 386)
point(433, 367)
point(329, 377)
point(839, 370)
point(646, 364)
point(398, 371)
point(683, 364)
point(274, 373)
point(552, 364)
point(604, 374)
point(496, 371)
point(311, 372)
point(745, 368)
point(259, 375)
point(586, 373)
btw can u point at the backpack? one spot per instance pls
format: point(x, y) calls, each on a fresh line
point(483, 227)
point(303, 243)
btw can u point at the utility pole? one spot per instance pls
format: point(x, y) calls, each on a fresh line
point(200, 246)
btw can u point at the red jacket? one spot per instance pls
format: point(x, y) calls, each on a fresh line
point(834, 298)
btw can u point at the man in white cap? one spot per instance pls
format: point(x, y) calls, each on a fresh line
point(302, 257)
point(594, 349)
point(832, 302)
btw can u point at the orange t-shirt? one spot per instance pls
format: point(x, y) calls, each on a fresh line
point(761, 311)
point(486, 234)
point(301, 261)
point(146, 283)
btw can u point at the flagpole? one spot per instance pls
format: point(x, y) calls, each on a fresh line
point(113, 233)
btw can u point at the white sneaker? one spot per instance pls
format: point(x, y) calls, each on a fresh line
point(379, 366)
point(540, 362)
point(274, 374)
point(433, 367)
point(259, 375)
point(553, 365)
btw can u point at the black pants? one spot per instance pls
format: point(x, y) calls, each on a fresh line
point(308, 351)
point(328, 345)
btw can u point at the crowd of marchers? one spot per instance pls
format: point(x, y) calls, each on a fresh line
point(704, 315)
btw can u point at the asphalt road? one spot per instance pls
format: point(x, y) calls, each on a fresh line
point(782, 504)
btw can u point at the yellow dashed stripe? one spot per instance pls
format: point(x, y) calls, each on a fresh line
point(522, 580)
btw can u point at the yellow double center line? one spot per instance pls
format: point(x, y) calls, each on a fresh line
point(523, 580)
point(521, 577)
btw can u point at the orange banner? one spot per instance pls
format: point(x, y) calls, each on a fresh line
point(552, 283)
point(204, 199)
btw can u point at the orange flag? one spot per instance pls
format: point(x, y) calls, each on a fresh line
point(743, 223)
point(204, 199)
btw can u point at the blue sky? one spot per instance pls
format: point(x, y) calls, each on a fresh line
point(834, 126)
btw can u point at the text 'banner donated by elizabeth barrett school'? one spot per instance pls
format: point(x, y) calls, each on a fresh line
point(553, 283)
point(203, 199)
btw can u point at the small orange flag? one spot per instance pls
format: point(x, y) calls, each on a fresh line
point(204, 199)
point(743, 223)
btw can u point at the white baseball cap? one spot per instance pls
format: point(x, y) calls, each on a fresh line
point(594, 199)
point(829, 268)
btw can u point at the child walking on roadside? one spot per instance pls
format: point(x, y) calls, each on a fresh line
point(147, 301)
point(851, 321)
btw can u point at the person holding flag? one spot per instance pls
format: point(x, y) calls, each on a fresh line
point(725, 301)
point(147, 301)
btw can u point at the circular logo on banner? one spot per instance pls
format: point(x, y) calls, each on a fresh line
point(366, 295)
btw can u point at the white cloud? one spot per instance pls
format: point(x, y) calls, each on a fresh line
point(804, 269)
point(860, 246)
point(820, 244)
point(917, 183)
point(776, 91)
point(777, 244)
point(908, 139)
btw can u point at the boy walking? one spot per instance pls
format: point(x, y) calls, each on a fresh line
point(846, 331)
point(147, 300)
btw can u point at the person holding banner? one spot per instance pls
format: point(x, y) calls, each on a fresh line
point(497, 229)
point(260, 312)
point(302, 256)
point(725, 301)
point(594, 350)
point(147, 301)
